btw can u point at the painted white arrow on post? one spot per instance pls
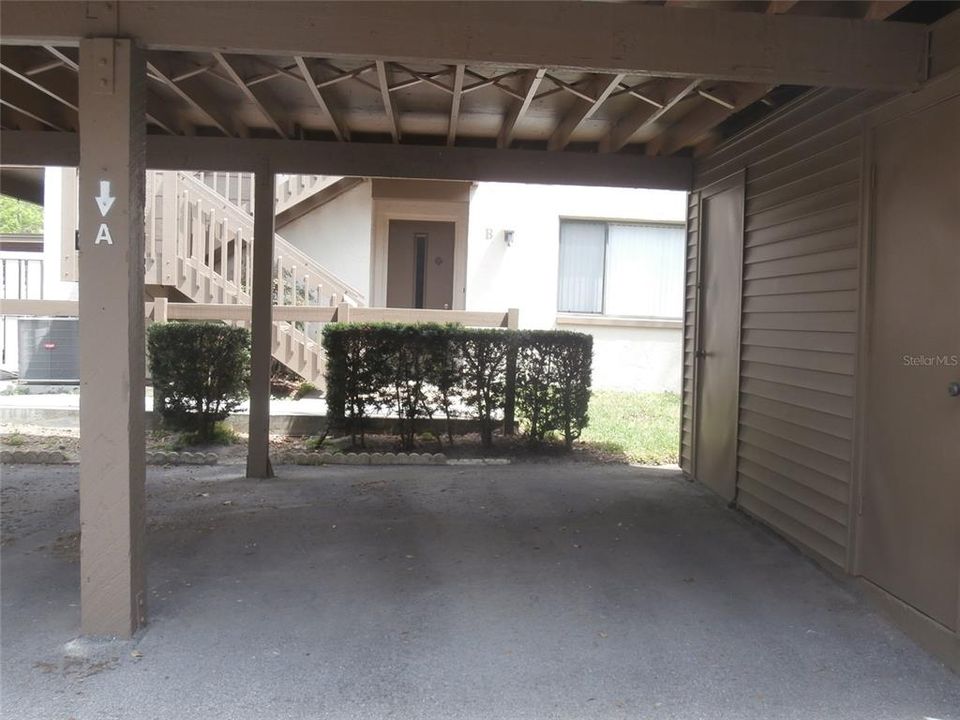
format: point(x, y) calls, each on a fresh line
point(105, 200)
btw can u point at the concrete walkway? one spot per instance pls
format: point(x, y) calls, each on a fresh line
point(525, 591)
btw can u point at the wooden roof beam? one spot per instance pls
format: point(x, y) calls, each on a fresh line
point(531, 81)
point(671, 92)
point(602, 86)
point(339, 129)
point(258, 98)
point(455, 104)
point(297, 157)
point(392, 119)
point(39, 106)
point(698, 123)
point(211, 115)
point(629, 38)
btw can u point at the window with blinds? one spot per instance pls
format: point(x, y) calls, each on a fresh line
point(625, 269)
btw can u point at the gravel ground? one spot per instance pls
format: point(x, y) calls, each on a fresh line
point(524, 591)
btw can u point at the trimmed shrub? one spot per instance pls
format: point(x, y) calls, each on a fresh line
point(553, 382)
point(429, 370)
point(200, 373)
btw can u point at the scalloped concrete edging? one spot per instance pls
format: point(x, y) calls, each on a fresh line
point(362, 458)
point(32, 457)
point(162, 457)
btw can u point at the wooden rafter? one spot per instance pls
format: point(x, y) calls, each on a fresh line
point(495, 81)
point(455, 104)
point(349, 75)
point(602, 86)
point(66, 93)
point(670, 93)
point(698, 123)
point(257, 98)
point(339, 129)
point(392, 119)
point(531, 81)
point(424, 78)
point(410, 82)
point(639, 38)
point(31, 115)
point(211, 115)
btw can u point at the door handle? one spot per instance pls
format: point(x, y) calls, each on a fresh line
point(953, 389)
point(701, 353)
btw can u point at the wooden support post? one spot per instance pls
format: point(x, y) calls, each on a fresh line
point(169, 228)
point(510, 392)
point(112, 173)
point(343, 312)
point(261, 325)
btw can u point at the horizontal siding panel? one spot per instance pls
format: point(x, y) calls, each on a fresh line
point(809, 166)
point(810, 321)
point(809, 518)
point(798, 473)
point(802, 397)
point(819, 262)
point(826, 506)
point(793, 530)
point(799, 207)
point(814, 439)
point(793, 123)
point(836, 239)
point(831, 383)
point(830, 342)
point(805, 187)
point(813, 459)
point(828, 527)
point(803, 359)
point(804, 417)
point(838, 301)
point(827, 281)
point(827, 219)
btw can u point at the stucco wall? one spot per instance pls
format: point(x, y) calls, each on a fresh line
point(337, 235)
point(524, 275)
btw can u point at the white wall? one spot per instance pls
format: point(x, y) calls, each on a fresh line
point(525, 274)
point(338, 236)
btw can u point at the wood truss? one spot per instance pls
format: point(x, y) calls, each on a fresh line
point(237, 93)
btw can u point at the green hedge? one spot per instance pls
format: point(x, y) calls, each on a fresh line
point(442, 371)
point(200, 372)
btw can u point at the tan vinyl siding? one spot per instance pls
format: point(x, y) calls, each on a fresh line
point(800, 313)
point(689, 333)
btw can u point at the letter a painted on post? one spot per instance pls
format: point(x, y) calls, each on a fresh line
point(103, 235)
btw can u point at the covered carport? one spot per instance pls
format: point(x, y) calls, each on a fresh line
point(775, 115)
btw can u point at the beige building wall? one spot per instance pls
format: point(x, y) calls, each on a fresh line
point(338, 236)
point(799, 319)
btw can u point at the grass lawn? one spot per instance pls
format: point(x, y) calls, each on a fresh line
point(644, 427)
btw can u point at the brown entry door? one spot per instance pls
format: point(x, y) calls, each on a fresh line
point(420, 264)
point(718, 353)
point(910, 518)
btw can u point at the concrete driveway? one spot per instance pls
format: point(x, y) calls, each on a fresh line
point(525, 591)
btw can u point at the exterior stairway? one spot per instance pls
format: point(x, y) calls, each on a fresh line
point(199, 242)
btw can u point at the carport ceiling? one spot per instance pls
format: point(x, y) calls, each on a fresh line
point(232, 89)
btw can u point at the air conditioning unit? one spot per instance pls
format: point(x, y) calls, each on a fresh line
point(49, 350)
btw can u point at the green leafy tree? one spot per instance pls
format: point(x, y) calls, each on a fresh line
point(17, 216)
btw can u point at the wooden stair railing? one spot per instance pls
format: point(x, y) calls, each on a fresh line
point(206, 254)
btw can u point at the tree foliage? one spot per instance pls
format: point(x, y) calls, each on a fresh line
point(19, 217)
